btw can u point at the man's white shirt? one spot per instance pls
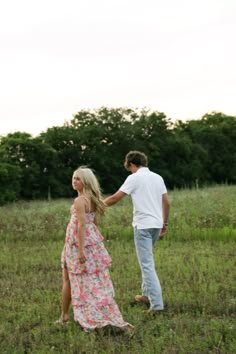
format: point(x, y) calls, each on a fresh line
point(146, 189)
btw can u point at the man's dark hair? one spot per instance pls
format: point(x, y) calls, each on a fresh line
point(138, 158)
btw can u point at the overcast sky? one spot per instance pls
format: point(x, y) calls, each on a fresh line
point(58, 57)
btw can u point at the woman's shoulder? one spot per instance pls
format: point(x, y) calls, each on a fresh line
point(82, 197)
point(80, 201)
point(84, 201)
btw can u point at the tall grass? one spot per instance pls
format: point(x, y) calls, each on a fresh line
point(195, 264)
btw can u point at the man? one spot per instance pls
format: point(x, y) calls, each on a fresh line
point(150, 216)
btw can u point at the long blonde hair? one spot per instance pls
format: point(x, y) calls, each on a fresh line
point(91, 187)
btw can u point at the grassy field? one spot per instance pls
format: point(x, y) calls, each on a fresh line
point(195, 262)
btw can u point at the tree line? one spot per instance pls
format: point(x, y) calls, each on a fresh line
point(185, 154)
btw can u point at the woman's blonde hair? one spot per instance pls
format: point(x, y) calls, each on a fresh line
point(92, 188)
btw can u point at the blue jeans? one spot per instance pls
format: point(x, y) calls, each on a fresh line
point(144, 240)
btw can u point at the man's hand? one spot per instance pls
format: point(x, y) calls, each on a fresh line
point(113, 199)
point(163, 231)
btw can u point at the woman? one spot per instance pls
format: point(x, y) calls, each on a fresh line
point(85, 261)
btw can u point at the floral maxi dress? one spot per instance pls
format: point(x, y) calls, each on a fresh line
point(92, 292)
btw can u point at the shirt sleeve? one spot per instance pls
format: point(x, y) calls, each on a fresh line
point(128, 186)
point(164, 190)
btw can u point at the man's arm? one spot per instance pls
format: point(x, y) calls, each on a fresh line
point(165, 207)
point(113, 199)
point(165, 212)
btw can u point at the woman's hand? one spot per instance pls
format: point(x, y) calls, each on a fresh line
point(82, 258)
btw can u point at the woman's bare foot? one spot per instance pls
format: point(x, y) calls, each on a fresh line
point(64, 319)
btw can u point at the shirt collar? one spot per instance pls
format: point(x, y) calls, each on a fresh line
point(142, 169)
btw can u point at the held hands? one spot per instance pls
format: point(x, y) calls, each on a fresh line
point(82, 258)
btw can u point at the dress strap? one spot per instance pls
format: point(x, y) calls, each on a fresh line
point(87, 200)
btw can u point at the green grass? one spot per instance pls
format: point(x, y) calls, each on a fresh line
point(195, 263)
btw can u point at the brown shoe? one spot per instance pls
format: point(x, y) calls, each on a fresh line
point(152, 312)
point(142, 298)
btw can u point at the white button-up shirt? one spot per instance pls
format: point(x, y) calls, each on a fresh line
point(146, 189)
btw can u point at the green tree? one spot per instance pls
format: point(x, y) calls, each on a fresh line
point(104, 135)
point(185, 153)
point(153, 133)
point(216, 134)
point(10, 183)
point(36, 161)
point(67, 143)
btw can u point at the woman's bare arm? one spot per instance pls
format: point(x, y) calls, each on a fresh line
point(80, 213)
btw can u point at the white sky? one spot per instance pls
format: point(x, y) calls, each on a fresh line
point(60, 56)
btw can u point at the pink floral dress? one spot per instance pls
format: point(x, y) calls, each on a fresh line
point(92, 292)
